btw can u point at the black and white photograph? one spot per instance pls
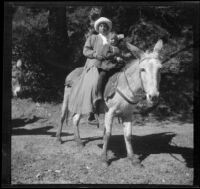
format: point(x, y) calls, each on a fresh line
point(100, 94)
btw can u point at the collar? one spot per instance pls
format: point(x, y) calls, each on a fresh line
point(104, 38)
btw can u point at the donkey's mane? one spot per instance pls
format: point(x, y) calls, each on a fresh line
point(135, 61)
point(129, 64)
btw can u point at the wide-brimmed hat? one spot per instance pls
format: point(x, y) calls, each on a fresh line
point(103, 20)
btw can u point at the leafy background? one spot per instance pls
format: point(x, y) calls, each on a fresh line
point(49, 40)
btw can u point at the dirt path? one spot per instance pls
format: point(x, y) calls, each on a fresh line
point(165, 149)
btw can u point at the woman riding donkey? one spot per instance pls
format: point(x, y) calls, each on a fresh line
point(87, 93)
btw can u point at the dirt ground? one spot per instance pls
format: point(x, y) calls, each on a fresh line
point(165, 149)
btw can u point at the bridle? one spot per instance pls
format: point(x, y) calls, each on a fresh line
point(139, 95)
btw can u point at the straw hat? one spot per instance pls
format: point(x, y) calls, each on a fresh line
point(103, 20)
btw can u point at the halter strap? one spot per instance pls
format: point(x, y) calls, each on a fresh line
point(141, 60)
point(125, 98)
point(135, 95)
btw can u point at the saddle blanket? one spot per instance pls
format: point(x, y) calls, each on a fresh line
point(111, 85)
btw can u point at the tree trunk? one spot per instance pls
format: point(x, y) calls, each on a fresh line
point(58, 35)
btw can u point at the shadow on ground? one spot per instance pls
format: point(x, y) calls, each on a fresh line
point(37, 131)
point(84, 140)
point(20, 122)
point(150, 144)
point(18, 127)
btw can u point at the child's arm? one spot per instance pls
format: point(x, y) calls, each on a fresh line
point(111, 52)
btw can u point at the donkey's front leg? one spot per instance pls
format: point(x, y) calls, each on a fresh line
point(76, 119)
point(127, 136)
point(107, 134)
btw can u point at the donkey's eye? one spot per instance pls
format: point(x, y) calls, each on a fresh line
point(142, 70)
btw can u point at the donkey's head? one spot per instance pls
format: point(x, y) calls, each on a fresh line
point(149, 70)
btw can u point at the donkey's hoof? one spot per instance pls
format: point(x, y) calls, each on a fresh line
point(58, 140)
point(137, 165)
point(105, 164)
point(104, 161)
point(79, 144)
point(135, 162)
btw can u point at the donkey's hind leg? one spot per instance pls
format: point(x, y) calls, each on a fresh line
point(64, 114)
point(76, 120)
point(127, 136)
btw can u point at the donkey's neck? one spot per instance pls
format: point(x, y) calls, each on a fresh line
point(132, 73)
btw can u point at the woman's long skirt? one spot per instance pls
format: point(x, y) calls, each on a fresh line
point(84, 92)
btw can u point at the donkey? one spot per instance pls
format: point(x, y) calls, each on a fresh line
point(16, 79)
point(141, 74)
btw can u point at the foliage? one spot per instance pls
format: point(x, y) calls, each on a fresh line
point(30, 44)
point(47, 59)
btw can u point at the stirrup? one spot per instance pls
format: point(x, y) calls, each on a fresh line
point(94, 121)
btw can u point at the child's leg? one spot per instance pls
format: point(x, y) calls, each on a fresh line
point(101, 83)
point(99, 88)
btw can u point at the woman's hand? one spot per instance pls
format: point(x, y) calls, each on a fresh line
point(98, 57)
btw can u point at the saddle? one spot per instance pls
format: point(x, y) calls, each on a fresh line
point(111, 85)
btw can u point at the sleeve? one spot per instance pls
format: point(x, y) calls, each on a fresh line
point(88, 49)
point(112, 52)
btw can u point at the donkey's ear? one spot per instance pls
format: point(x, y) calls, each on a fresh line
point(134, 50)
point(158, 46)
